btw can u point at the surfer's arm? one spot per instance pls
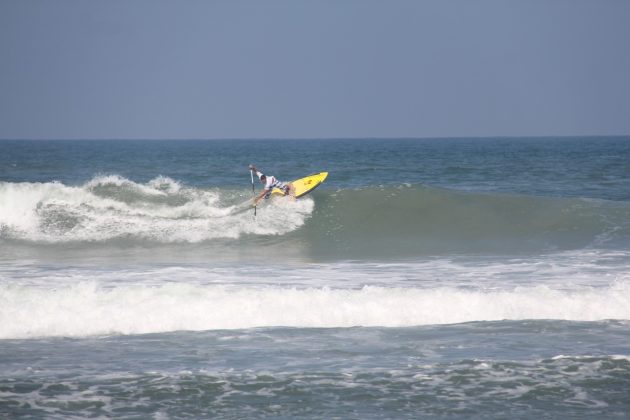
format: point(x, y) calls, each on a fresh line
point(260, 196)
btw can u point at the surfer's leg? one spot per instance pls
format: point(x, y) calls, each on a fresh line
point(290, 192)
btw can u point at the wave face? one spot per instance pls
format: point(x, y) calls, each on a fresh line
point(412, 220)
point(346, 223)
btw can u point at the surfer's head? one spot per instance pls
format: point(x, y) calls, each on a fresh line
point(261, 176)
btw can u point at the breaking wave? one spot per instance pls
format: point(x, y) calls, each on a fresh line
point(87, 308)
point(113, 207)
point(369, 222)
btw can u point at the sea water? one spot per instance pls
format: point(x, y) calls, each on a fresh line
point(450, 278)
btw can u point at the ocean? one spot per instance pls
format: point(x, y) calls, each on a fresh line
point(438, 278)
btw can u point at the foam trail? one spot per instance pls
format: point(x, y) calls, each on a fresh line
point(86, 308)
point(112, 207)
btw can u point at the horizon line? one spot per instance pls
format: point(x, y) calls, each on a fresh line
point(323, 138)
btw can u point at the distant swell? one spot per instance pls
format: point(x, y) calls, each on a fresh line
point(89, 309)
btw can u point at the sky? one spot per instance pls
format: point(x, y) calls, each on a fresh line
point(155, 69)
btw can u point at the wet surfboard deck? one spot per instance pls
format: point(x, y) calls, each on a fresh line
point(304, 185)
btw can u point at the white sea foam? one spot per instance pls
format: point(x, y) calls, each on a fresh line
point(88, 308)
point(111, 207)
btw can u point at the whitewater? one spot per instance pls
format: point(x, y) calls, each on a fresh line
point(432, 277)
point(89, 308)
point(110, 207)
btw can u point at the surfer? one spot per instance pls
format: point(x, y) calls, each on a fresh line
point(270, 183)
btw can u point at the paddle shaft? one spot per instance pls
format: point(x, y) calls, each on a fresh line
point(251, 172)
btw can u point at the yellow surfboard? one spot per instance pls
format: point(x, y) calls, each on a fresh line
point(304, 185)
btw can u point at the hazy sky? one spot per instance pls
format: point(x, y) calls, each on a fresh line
point(293, 68)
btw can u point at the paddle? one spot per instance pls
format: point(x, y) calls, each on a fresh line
point(251, 172)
